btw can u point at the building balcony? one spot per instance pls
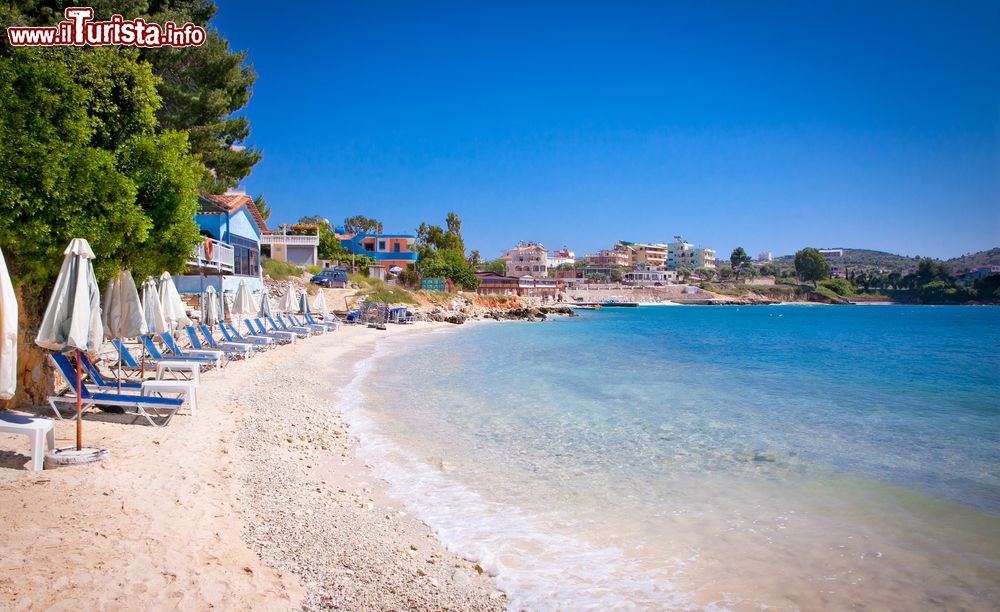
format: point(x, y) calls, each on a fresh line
point(221, 260)
point(291, 240)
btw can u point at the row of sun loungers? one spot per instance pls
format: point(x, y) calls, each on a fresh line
point(177, 370)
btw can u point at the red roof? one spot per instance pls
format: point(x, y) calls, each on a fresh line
point(212, 204)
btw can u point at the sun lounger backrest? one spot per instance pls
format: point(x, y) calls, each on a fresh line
point(92, 371)
point(171, 344)
point(209, 340)
point(68, 372)
point(126, 356)
point(193, 337)
point(154, 352)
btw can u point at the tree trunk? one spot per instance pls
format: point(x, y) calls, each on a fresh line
point(35, 379)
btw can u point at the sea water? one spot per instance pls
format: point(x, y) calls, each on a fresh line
point(788, 457)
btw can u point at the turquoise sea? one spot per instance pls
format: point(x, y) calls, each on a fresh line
point(789, 457)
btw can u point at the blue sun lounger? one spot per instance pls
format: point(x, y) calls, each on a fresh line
point(280, 336)
point(155, 353)
point(220, 357)
point(149, 408)
point(301, 332)
point(314, 327)
point(331, 325)
point(231, 349)
point(185, 389)
point(231, 335)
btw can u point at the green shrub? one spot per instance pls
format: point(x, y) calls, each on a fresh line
point(279, 270)
point(315, 269)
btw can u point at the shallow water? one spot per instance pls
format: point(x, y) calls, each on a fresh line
point(790, 457)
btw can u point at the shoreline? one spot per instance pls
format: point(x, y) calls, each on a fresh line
point(260, 501)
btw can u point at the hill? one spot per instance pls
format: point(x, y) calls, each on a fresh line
point(864, 258)
point(971, 261)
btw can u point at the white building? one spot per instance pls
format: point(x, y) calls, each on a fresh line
point(681, 254)
point(528, 259)
point(765, 257)
point(558, 258)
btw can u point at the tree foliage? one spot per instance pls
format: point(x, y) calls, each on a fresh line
point(80, 157)
point(201, 88)
point(359, 223)
point(441, 253)
point(740, 261)
point(262, 207)
point(811, 266)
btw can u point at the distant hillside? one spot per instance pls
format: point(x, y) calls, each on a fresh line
point(975, 260)
point(865, 258)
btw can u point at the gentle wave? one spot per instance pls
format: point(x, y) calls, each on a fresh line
point(537, 570)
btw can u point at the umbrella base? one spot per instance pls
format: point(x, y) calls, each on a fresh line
point(71, 456)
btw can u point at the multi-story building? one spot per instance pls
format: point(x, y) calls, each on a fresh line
point(831, 253)
point(617, 256)
point(528, 259)
point(294, 243)
point(389, 250)
point(231, 227)
point(681, 254)
point(558, 258)
point(641, 254)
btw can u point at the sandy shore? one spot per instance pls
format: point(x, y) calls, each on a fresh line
point(258, 502)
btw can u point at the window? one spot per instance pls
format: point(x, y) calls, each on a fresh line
point(395, 247)
point(381, 245)
point(246, 256)
point(369, 246)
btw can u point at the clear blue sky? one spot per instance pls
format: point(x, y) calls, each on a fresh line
point(770, 125)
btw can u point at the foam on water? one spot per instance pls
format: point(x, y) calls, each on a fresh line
point(537, 569)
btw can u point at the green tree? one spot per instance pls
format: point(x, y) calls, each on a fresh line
point(740, 261)
point(201, 88)
point(930, 270)
point(80, 156)
point(262, 207)
point(359, 223)
point(451, 264)
point(497, 266)
point(811, 266)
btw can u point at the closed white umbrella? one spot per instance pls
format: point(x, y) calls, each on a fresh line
point(243, 303)
point(210, 311)
point(319, 302)
point(173, 307)
point(73, 316)
point(288, 301)
point(151, 310)
point(265, 304)
point(304, 304)
point(122, 312)
point(8, 334)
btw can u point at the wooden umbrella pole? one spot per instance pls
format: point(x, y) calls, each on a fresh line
point(79, 391)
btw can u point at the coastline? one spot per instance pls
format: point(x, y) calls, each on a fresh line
point(260, 501)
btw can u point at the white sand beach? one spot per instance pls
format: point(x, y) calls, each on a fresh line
point(258, 502)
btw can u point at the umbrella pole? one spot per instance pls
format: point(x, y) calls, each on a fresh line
point(79, 391)
point(119, 372)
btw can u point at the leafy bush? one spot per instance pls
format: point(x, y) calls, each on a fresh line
point(840, 286)
point(315, 269)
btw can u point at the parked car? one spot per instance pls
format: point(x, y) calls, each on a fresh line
point(330, 278)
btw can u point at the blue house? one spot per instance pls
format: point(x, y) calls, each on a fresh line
point(388, 250)
point(231, 228)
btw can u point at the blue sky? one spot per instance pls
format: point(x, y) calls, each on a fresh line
point(769, 125)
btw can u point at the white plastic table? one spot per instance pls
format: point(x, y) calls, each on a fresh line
point(40, 431)
point(188, 388)
point(191, 368)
